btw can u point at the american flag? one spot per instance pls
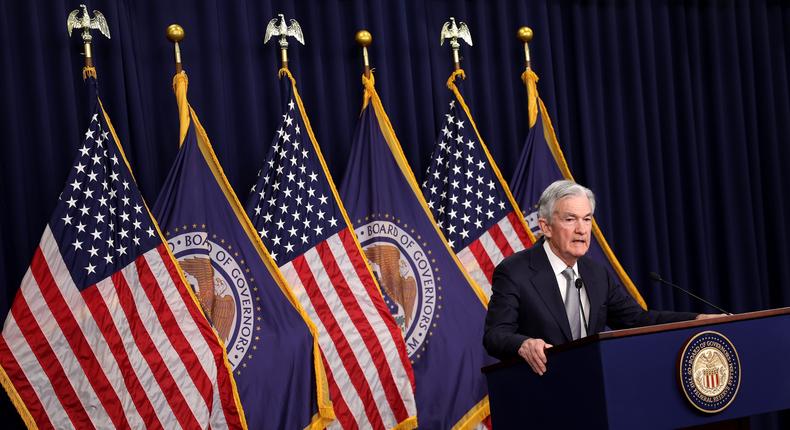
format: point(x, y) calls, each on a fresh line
point(294, 207)
point(103, 331)
point(469, 199)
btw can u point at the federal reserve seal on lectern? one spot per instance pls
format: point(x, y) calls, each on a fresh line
point(710, 371)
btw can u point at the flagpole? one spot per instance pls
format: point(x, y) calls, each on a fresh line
point(175, 34)
point(525, 34)
point(87, 53)
point(364, 39)
point(284, 55)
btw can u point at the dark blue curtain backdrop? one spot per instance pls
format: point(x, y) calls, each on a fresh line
point(676, 113)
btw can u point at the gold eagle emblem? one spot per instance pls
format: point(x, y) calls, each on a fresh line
point(402, 289)
point(213, 293)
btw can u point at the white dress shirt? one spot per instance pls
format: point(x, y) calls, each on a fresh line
point(557, 266)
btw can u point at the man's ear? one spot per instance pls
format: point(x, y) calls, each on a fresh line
point(545, 227)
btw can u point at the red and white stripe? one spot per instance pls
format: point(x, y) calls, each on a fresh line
point(712, 380)
point(371, 383)
point(481, 257)
point(132, 351)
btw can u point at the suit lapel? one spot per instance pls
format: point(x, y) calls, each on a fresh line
point(595, 294)
point(545, 283)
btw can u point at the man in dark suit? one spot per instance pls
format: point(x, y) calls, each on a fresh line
point(551, 293)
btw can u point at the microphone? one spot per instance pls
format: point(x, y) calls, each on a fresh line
point(656, 277)
point(579, 284)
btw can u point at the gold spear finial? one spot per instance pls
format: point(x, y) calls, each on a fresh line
point(524, 34)
point(175, 34)
point(86, 23)
point(278, 27)
point(364, 39)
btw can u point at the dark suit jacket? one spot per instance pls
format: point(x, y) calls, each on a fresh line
point(526, 302)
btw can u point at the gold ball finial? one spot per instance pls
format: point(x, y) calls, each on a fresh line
point(175, 33)
point(363, 38)
point(524, 34)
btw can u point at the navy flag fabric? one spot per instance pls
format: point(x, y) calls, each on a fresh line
point(269, 339)
point(542, 163)
point(468, 197)
point(297, 213)
point(104, 332)
point(439, 309)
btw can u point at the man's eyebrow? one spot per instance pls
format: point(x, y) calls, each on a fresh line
point(566, 214)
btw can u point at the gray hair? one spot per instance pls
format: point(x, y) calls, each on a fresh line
point(559, 190)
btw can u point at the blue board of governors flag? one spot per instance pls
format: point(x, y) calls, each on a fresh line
point(103, 332)
point(269, 343)
point(437, 306)
point(541, 163)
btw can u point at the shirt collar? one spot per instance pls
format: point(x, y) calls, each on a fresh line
point(557, 265)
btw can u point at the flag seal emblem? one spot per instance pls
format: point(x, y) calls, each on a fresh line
point(709, 371)
point(408, 278)
point(532, 221)
point(222, 284)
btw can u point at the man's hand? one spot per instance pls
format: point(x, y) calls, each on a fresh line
point(709, 316)
point(533, 351)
